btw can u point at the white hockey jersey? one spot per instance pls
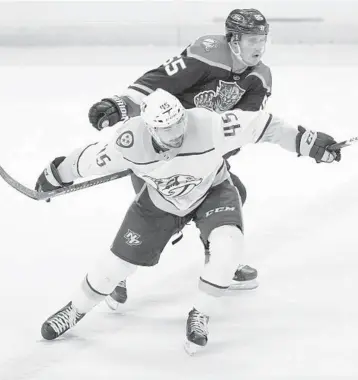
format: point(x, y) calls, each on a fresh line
point(179, 179)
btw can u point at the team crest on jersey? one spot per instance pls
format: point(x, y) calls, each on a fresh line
point(210, 44)
point(126, 139)
point(227, 94)
point(176, 185)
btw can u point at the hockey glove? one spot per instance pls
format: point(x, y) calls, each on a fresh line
point(50, 179)
point(316, 145)
point(108, 112)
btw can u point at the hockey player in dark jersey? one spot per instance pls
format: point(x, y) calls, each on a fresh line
point(217, 72)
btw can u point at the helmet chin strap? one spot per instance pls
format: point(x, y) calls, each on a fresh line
point(160, 142)
point(238, 56)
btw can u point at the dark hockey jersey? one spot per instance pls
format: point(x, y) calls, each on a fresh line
point(203, 76)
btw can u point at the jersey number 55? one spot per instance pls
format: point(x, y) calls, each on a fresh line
point(173, 65)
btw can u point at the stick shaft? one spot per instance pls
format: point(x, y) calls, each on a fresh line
point(61, 191)
point(344, 143)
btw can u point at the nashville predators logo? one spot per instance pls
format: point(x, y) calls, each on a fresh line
point(227, 94)
point(176, 185)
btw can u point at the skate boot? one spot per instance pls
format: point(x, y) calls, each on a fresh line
point(244, 278)
point(196, 331)
point(119, 295)
point(60, 322)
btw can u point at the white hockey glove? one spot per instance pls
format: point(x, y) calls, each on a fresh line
point(316, 145)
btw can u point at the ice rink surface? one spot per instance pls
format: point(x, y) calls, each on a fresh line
point(300, 220)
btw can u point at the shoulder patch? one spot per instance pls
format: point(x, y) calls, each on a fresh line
point(210, 44)
point(212, 50)
point(125, 139)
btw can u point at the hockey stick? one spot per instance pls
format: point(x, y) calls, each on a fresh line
point(39, 196)
point(343, 144)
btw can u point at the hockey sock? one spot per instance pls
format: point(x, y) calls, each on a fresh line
point(101, 281)
point(226, 248)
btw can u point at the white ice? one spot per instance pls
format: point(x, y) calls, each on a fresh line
point(300, 220)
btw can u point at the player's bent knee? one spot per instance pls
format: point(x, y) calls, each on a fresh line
point(226, 244)
point(108, 272)
point(226, 248)
point(227, 232)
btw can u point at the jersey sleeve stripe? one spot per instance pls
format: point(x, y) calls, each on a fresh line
point(264, 130)
point(80, 155)
point(141, 163)
point(143, 89)
point(134, 95)
point(195, 153)
point(208, 61)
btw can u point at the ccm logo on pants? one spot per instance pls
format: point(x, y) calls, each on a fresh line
point(219, 209)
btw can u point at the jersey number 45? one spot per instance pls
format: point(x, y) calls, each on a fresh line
point(231, 123)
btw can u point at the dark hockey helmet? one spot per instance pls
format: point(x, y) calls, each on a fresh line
point(245, 21)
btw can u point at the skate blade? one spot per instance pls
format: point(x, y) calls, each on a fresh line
point(111, 303)
point(191, 348)
point(244, 285)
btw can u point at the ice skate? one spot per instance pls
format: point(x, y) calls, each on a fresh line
point(245, 278)
point(60, 322)
point(196, 332)
point(119, 295)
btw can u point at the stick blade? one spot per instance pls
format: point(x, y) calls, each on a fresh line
point(18, 186)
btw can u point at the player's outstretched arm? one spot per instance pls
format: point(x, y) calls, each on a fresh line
point(93, 160)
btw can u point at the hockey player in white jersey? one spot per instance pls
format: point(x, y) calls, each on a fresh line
point(185, 178)
point(217, 72)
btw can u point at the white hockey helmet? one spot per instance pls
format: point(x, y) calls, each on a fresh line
point(165, 118)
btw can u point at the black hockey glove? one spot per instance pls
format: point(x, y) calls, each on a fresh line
point(108, 112)
point(316, 145)
point(50, 179)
